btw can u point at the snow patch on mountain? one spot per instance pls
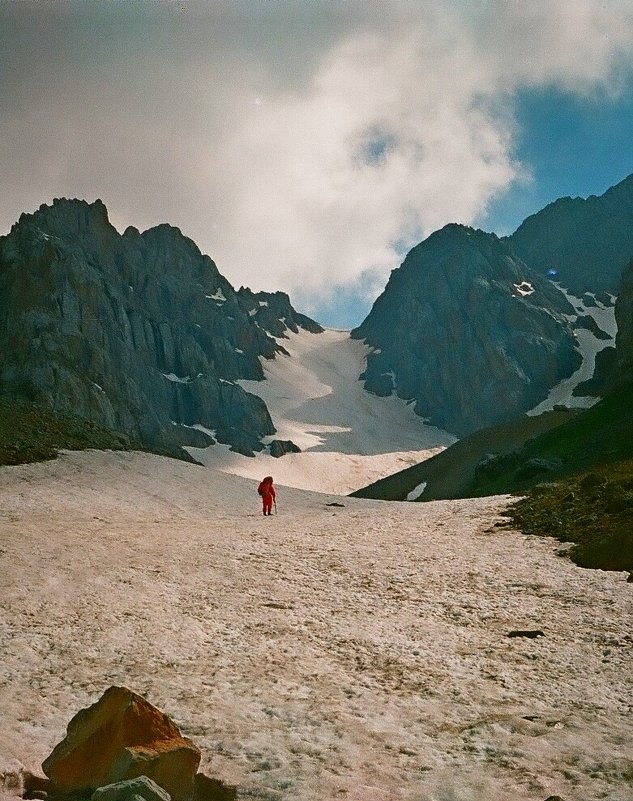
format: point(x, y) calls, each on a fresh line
point(589, 345)
point(348, 436)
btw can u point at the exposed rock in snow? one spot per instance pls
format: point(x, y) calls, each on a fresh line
point(416, 492)
point(524, 288)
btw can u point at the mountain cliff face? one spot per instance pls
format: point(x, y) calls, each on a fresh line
point(138, 332)
point(624, 319)
point(468, 332)
point(588, 242)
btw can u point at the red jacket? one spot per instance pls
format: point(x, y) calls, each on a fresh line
point(266, 488)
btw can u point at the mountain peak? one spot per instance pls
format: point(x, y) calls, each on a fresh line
point(586, 241)
point(467, 331)
point(137, 332)
point(66, 217)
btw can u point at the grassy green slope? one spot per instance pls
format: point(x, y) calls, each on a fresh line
point(591, 502)
point(601, 435)
point(588, 495)
point(31, 433)
point(450, 474)
point(593, 510)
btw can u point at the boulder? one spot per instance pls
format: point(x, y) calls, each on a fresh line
point(11, 777)
point(279, 447)
point(208, 789)
point(535, 467)
point(36, 786)
point(131, 790)
point(122, 736)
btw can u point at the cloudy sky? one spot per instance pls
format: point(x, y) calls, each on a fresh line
point(306, 145)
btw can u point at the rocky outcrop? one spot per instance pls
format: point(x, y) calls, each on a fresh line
point(207, 789)
point(587, 242)
point(273, 312)
point(624, 319)
point(120, 737)
point(614, 365)
point(279, 447)
point(467, 332)
point(137, 332)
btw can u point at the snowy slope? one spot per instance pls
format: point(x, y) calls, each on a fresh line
point(588, 346)
point(359, 653)
point(348, 437)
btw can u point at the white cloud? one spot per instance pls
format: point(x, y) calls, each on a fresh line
point(302, 150)
point(325, 182)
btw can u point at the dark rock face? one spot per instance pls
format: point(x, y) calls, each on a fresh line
point(591, 325)
point(588, 242)
point(272, 312)
point(624, 319)
point(615, 365)
point(467, 331)
point(137, 332)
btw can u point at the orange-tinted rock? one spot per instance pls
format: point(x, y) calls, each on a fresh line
point(123, 736)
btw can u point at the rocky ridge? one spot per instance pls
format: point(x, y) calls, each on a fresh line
point(624, 319)
point(566, 446)
point(588, 242)
point(468, 332)
point(138, 332)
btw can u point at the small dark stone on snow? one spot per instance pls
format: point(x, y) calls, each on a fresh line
point(531, 633)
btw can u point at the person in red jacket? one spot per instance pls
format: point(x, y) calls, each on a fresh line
point(267, 491)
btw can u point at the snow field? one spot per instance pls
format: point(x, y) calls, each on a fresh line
point(355, 652)
point(349, 438)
